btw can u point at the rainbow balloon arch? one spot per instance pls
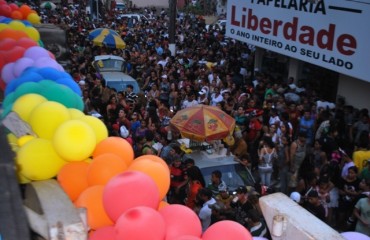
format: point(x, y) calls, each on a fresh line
point(123, 196)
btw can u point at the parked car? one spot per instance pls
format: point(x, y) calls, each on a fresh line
point(219, 24)
point(111, 68)
point(233, 173)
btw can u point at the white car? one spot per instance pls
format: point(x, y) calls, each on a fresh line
point(219, 24)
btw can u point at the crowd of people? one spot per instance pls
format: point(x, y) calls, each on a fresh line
point(290, 139)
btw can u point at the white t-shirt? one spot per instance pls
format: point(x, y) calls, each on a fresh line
point(205, 214)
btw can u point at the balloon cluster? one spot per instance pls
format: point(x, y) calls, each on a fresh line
point(23, 12)
point(122, 195)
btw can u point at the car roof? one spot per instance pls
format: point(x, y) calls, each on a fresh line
point(203, 160)
point(105, 57)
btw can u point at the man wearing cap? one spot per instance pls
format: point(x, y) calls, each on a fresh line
point(241, 205)
point(205, 212)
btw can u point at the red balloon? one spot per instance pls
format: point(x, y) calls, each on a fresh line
point(227, 230)
point(180, 220)
point(26, 43)
point(7, 44)
point(16, 15)
point(5, 10)
point(13, 6)
point(127, 190)
point(14, 54)
point(2, 85)
point(104, 233)
point(2, 2)
point(140, 223)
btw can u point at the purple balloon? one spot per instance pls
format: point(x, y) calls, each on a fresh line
point(46, 62)
point(354, 236)
point(36, 52)
point(7, 72)
point(21, 64)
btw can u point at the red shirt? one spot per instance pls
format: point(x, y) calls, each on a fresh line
point(254, 127)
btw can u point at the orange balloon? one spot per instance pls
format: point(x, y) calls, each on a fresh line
point(116, 145)
point(16, 15)
point(72, 177)
point(25, 10)
point(162, 204)
point(104, 167)
point(92, 200)
point(14, 34)
point(156, 171)
point(153, 158)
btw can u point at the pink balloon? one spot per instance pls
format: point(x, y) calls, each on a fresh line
point(36, 52)
point(104, 233)
point(226, 230)
point(141, 223)
point(187, 237)
point(21, 64)
point(354, 236)
point(180, 220)
point(7, 72)
point(127, 190)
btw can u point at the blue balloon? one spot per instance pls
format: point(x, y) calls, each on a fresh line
point(69, 82)
point(27, 76)
point(27, 23)
point(49, 73)
point(6, 20)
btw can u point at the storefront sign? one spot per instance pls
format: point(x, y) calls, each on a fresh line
point(334, 34)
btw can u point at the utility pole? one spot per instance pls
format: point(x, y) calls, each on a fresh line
point(172, 26)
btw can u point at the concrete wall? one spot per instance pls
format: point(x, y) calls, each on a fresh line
point(355, 91)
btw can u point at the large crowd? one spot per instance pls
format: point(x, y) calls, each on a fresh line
point(292, 140)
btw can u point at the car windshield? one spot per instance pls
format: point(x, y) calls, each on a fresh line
point(105, 65)
point(122, 85)
point(234, 175)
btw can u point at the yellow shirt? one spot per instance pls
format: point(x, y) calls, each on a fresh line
point(360, 159)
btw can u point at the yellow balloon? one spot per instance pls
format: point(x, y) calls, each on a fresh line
point(37, 160)
point(17, 25)
point(100, 130)
point(26, 103)
point(34, 18)
point(24, 139)
point(32, 33)
point(22, 179)
point(13, 141)
point(47, 117)
point(3, 26)
point(75, 113)
point(74, 140)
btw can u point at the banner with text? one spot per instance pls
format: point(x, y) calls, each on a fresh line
point(334, 34)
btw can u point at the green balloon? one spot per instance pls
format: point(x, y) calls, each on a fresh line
point(59, 93)
point(9, 99)
point(27, 87)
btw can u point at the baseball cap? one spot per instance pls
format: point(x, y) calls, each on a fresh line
point(295, 196)
point(241, 189)
point(313, 194)
point(202, 92)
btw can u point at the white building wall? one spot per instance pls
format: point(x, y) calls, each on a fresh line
point(355, 91)
point(146, 3)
